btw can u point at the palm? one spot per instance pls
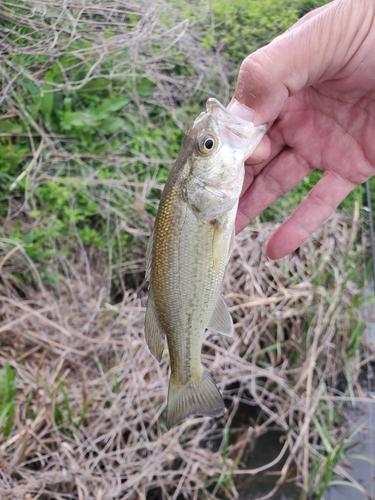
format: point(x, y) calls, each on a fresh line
point(326, 130)
point(319, 128)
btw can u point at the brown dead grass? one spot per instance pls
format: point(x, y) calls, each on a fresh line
point(73, 352)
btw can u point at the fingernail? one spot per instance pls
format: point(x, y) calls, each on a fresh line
point(241, 110)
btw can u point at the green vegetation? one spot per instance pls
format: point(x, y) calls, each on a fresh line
point(7, 392)
point(242, 27)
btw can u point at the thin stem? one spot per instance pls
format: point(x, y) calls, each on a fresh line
point(371, 217)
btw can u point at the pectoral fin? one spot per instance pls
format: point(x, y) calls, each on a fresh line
point(154, 333)
point(218, 246)
point(221, 321)
point(231, 244)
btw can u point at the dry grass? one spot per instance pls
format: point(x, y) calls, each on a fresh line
point(90, 397)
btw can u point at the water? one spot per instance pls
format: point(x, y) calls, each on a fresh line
point(249, 487)
point(361, 470)
point(269, 446)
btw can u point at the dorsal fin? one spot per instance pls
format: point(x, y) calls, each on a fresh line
point(155, 335)
point(149, 257)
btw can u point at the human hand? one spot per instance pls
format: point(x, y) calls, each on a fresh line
point(315, 85)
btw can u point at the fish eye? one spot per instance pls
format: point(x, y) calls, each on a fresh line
point(206, 144)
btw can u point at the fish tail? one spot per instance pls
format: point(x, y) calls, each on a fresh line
point(200, 397)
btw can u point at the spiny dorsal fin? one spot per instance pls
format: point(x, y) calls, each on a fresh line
point(200, 397)
point(154, 333)
point(221, 321)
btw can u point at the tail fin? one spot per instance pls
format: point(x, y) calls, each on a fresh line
point(200, 397)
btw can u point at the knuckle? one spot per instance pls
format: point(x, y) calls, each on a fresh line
point(273, 185)
point(255, 66)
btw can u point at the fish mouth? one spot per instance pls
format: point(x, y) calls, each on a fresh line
point(224, 116)
point(246, 134)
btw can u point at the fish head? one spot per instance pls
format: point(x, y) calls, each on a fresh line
point(220, 142)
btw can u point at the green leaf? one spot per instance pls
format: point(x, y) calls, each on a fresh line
point(145, 87)
point(7, 392)
point(110, 105)
point(47, 97)
point(33, 99)
point(114, 125)
point(10, 127)
point(78, 119)
point(51, 278)
point(96, 84)
point(59, 417)
point(7, 385)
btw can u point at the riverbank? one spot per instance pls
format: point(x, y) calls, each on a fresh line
point(88, 417)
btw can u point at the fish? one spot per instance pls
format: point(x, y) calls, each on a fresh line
point(188, 252)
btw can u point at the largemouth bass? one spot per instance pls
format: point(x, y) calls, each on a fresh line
point(189, 250)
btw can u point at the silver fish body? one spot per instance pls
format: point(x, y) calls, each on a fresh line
point(189, 250)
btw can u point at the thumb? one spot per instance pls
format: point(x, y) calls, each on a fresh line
point(314, 50)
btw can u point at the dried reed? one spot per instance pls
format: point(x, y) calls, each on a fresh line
point(89, 420)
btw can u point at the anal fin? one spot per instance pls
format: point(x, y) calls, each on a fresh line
point(155, 335)
point(221, 320)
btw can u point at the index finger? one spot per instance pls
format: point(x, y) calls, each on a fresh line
point(318, 205)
